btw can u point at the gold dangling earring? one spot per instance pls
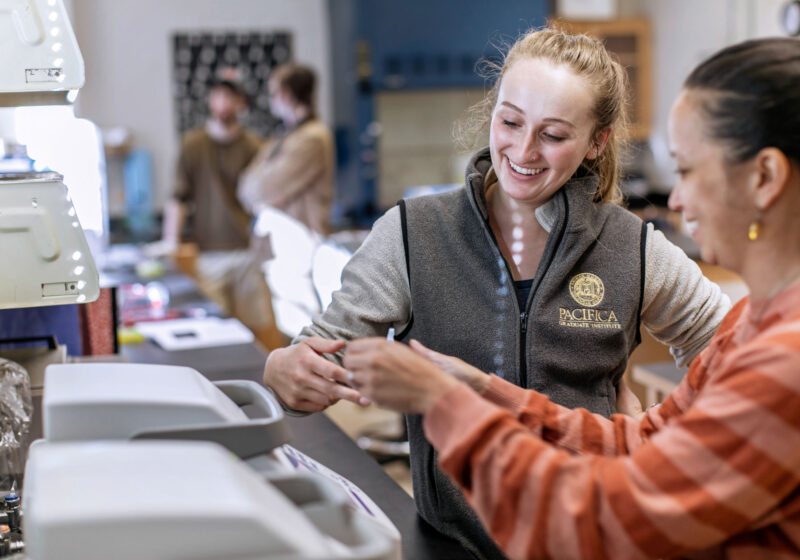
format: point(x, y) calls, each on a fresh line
point(755, 228)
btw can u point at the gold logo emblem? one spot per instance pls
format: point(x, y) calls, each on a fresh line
point(587, 289)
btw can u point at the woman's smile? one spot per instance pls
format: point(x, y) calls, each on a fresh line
point(525, 170)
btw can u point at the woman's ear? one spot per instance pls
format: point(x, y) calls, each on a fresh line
point(771, 176)
point(599, 143)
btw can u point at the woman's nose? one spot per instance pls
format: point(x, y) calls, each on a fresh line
point(675, 202)
point(529, 148)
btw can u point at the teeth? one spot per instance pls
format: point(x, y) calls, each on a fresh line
point(689, 226)
point(524, 170)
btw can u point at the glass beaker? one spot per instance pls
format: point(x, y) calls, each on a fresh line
point(16, 411)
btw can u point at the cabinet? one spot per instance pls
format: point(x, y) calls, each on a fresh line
point(630, 42)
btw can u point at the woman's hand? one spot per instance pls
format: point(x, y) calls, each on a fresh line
point(394, 376)
point(627, 402)
point(304, 380)
point(461, 370)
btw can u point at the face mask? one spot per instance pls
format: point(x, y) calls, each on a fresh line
point(221, 133)
point(280, 109)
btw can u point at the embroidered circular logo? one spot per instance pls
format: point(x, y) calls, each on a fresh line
point(587, 289)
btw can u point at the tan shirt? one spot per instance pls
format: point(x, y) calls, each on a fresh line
point(206, 177)
point(294, 174)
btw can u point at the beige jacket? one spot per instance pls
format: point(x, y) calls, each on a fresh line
point(293, 173)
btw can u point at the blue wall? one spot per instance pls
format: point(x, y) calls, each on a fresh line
point(380, 45)
point(435, 43)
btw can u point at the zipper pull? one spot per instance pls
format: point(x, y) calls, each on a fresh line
point(523, 322)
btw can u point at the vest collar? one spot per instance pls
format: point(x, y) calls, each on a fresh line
point(477, 169)
point(579, 192)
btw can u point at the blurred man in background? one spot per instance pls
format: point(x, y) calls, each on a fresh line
point(204, 198)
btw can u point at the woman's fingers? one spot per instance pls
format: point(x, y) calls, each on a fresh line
point(395, 376)
point(304, 380)
point(333, 380)
point(324, 345)
point(420, 348)
point(449, 363)
point(627, 402)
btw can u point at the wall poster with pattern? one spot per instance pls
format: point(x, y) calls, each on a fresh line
point(200, 59)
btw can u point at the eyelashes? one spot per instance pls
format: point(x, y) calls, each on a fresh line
point(546, 135)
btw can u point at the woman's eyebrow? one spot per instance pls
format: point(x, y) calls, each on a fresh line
point(548, 119)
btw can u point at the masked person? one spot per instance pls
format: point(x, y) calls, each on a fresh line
point(294, 171)
point(211, 160)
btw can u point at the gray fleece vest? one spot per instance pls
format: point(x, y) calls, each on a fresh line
point(572, 339)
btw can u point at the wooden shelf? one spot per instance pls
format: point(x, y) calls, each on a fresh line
point(630, 41)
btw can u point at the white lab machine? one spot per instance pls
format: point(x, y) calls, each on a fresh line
point(41, 241)
point(40, 235)
point(159, 501)
point(121, 401)
point(41, 63)
point(91, 493)
point(97, 401)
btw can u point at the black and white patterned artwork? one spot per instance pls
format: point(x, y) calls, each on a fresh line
point(200, 59)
